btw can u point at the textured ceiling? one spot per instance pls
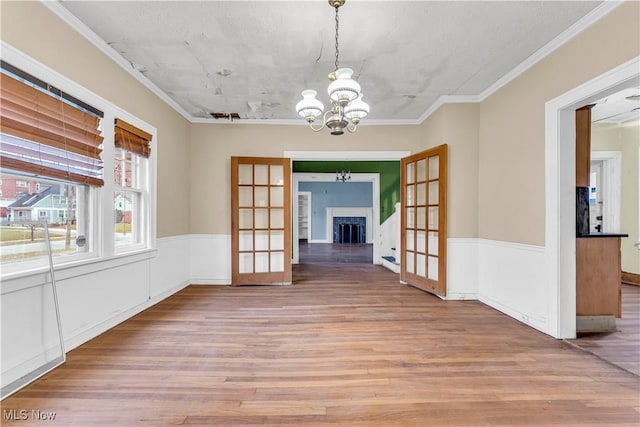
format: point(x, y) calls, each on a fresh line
point(255, 57)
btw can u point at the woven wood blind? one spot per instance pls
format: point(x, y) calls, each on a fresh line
point(130, 138)
point(46, 136)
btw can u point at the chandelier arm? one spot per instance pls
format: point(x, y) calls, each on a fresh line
point(322, 126)
point(351, 130)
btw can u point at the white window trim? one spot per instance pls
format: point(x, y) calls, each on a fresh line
point(102, 204)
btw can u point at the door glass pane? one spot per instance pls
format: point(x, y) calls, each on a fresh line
point(277, 218)
point(409, 258)
point(277, 240)
point(422, 170)
point(433, 218)
point(421, 218)
point(245, 242)
point(245, 198)
point(411, 218)
point(277, 175)
point(277, 196)
point(421, 265)
point(277, 261)
point(245, 175)
point(433, 243)
point(245, 218)
point(432, 268)
point(409, 242)
point(422, 194)
point(410, 199)
point(262, 262)
point(410, 172)
point(434, 167)
point(261, 196)
point(246, 263)
point(433, 193)
point(262, 218)
point(262, 240)
point(421, 244)
point(262, 175)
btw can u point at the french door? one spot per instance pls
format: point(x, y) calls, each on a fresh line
point(423, 259)
point(260, 221)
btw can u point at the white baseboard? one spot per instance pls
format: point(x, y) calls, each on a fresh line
point(320, 241)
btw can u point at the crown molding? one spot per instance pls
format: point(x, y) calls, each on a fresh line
point(61, 12)
point(579, 26)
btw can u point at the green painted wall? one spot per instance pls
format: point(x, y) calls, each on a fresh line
point(389, 177)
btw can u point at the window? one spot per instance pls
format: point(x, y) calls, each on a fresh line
point(52, 163)
point(128, 196)
point(67, 200)
point(50, 151)
point(130, 185)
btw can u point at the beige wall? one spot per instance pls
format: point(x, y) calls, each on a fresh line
point(213, 145)
point(626, 139)
point(511, 154)
point(32, 29)
point(496, 148)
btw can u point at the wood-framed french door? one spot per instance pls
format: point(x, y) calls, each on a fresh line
point(423, 259)
point(260, 221)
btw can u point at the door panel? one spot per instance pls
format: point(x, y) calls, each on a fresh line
point(423, 262)
point(260, 221)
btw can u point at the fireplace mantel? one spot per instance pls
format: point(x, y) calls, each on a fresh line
point(358, 212)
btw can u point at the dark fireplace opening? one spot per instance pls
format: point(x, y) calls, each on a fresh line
point(349, 229)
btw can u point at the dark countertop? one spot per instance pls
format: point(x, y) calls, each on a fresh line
point(603, 235)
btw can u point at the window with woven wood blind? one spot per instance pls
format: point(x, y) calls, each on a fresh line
point(131, 138)
point(45, 135)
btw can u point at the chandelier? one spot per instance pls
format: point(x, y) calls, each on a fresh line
point(347, 106)
point(343, 175)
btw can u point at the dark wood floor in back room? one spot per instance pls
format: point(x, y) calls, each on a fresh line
point(346, 344)
point(333, 252)
point(622, 347)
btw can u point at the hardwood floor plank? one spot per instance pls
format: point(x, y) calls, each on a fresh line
point(345, 345)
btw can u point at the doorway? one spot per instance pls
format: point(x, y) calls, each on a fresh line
point(560, 240)
point(379, 246)
point(342, 216)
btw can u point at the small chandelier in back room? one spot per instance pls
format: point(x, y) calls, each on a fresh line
point(347, 106)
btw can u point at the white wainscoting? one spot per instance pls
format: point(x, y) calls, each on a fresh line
point(512, 278)
point(462, 269)
point(210, 259)
point(93, 298)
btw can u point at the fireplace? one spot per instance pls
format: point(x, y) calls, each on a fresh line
point(349, 229)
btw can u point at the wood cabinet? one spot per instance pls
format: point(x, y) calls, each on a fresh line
point(598, 276)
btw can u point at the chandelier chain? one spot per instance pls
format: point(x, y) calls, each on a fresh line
point(337, 47)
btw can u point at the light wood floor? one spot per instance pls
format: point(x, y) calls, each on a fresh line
point(345, 345)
